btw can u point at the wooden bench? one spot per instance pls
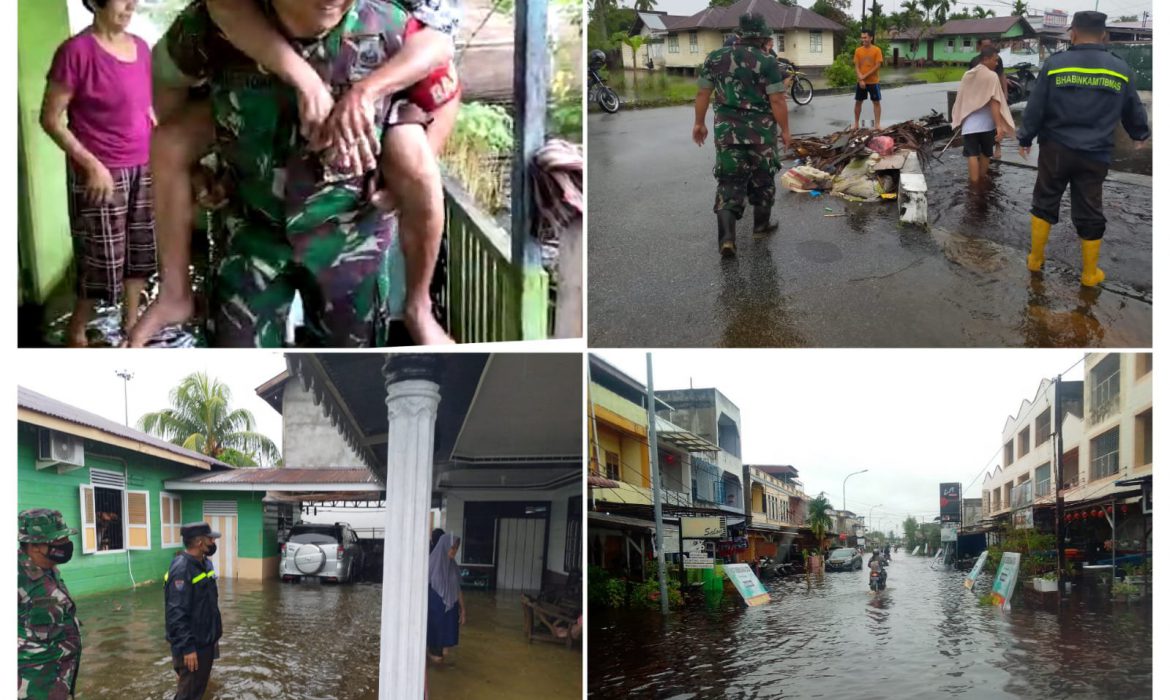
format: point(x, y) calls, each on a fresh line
point(547, 622)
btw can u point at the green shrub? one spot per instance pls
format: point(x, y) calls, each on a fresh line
point(604, 590)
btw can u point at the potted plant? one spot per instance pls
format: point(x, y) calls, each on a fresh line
point(1045, 583)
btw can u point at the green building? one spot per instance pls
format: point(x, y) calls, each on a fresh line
point(128, 494)
point(957, 41)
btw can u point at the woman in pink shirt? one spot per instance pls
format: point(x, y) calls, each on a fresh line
point(100, 79)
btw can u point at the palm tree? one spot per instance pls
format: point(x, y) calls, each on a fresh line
point(928, 9)
point(1020, 9)
point(201, 419)
point(941, 8)
point(645, 5)
point(980, 13)
point(818, 518)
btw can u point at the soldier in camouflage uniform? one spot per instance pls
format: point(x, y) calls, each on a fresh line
point(748, 87)
point(48, 648)
point(292, 223)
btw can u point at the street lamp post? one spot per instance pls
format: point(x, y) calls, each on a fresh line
point(126, 376)
point(843, 486)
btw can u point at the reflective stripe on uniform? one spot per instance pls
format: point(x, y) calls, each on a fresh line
point(1091, 71)
point(199, 578)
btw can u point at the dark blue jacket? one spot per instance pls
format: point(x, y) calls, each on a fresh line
point(193, 621)
point(1079, 97)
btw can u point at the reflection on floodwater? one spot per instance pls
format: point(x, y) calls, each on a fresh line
point(925, 636)
point(301, 641)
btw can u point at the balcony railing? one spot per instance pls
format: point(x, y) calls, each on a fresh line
point(483, 290)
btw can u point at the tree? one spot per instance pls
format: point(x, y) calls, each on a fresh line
point(941, 8)
point(981, 12)
point(722, 3)
point(1128, 18)
point(818, 519)
point(200, 418)
point(1020, 8)
point(910, 530)
point(645, 5)
point(836, 10)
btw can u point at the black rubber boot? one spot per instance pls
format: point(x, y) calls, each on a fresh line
point(763, 222)
point(726, 219)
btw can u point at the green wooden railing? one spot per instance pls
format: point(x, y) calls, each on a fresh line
point(482, 295)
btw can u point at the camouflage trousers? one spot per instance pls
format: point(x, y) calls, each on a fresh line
point(744, 172)
point(337, 275)
point(51, 681)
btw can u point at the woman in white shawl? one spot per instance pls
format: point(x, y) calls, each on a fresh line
point(445, 609)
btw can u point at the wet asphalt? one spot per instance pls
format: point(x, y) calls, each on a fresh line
point(855, 278)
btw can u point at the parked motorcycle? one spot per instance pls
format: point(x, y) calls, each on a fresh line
point(599, 92)
point(1020, 84)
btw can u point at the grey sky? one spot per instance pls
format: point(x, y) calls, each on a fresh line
point(914, 418)
point(1113, 8)
point(87, 380)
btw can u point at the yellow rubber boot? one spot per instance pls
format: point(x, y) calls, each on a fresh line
point(1091, 275)
point(1040, 229)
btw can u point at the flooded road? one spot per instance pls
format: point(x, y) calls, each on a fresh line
point(925, 636)
point(305, 641)
point(840, 274)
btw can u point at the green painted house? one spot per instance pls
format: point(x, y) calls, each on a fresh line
point(957, 41)
point(114, 484)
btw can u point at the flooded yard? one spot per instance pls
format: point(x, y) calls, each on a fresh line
point(925, 636)
point(300, 641)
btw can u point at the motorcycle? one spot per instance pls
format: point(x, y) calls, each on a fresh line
point(603, 94)
point(877, 580)
point(1019, 86)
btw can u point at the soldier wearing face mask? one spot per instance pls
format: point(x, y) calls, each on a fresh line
point(193, 622)
point(48, 646)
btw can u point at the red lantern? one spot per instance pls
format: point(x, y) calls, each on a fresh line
point(1100, 513)
point(1124, 508)
point(1110, 509)
point(1080, 515)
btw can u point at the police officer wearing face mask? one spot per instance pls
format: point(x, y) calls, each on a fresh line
point(193, 622)
point(48, 645)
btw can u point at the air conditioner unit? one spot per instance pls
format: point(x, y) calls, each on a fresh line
point(61, 450)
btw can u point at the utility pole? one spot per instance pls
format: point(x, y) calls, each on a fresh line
point(126, 376)
point(843, 486)
point(656, 475)
point(1060, 580)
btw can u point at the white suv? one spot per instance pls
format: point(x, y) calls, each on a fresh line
point(319, 551)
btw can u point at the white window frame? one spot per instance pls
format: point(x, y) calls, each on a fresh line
point(127, 527)
point(165, 506)
point(816, 41)
point(967, 43)
point(125, 518)
point(1096, 474)
point(672, 43)
point(778, 42)
point(694, 41)
point(88, 518)
point(951, 45)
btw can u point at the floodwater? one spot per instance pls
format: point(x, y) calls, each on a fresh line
point(300, 641)
point(925, 636)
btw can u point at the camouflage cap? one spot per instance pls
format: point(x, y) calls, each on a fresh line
point(42, 525)
point(752, 25)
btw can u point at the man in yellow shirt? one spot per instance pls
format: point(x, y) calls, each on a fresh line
point(866, 61)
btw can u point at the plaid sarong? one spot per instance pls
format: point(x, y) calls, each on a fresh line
point(113, 242)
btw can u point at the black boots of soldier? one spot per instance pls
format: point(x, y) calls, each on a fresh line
point(726, 220)
point(763, 223)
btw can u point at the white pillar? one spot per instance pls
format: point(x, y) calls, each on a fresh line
point(412, 400)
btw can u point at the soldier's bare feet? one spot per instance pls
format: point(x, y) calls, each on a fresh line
point(166, 310)
point(423, 327)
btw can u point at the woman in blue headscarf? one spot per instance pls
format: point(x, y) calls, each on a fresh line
point(445, 609)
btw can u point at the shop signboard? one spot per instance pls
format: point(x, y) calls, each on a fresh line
point(950, 502)
point(1022, 518)
point(703, 528)
point(969, 581)
point(745, 581)
point(1005, 580)
point(669, 538)
point(949, 532)
point(698, 554)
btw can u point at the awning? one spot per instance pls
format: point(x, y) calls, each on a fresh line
point(622, 521)
point(681, 437)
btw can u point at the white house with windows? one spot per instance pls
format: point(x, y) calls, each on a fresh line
point(682, 43)
point(1107, 433)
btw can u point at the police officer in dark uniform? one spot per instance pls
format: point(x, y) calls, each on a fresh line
point(193, 622)
point(1080, 96)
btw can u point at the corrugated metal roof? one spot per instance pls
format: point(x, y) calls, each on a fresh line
point(652, 20)
point(33, 401)
point(987, 25)
point(289, 475)
point(779, 17)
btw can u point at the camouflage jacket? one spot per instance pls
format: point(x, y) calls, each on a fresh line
point(742, 77)
point(47, 625)
point(271, 174)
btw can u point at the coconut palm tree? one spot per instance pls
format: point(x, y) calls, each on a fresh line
point(201, 418)
point(818, 518)
point(980, 12)
point(645, 5)
point(941, 9)
point(1020, 8)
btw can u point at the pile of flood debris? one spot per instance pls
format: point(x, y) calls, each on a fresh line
point(862, 165)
